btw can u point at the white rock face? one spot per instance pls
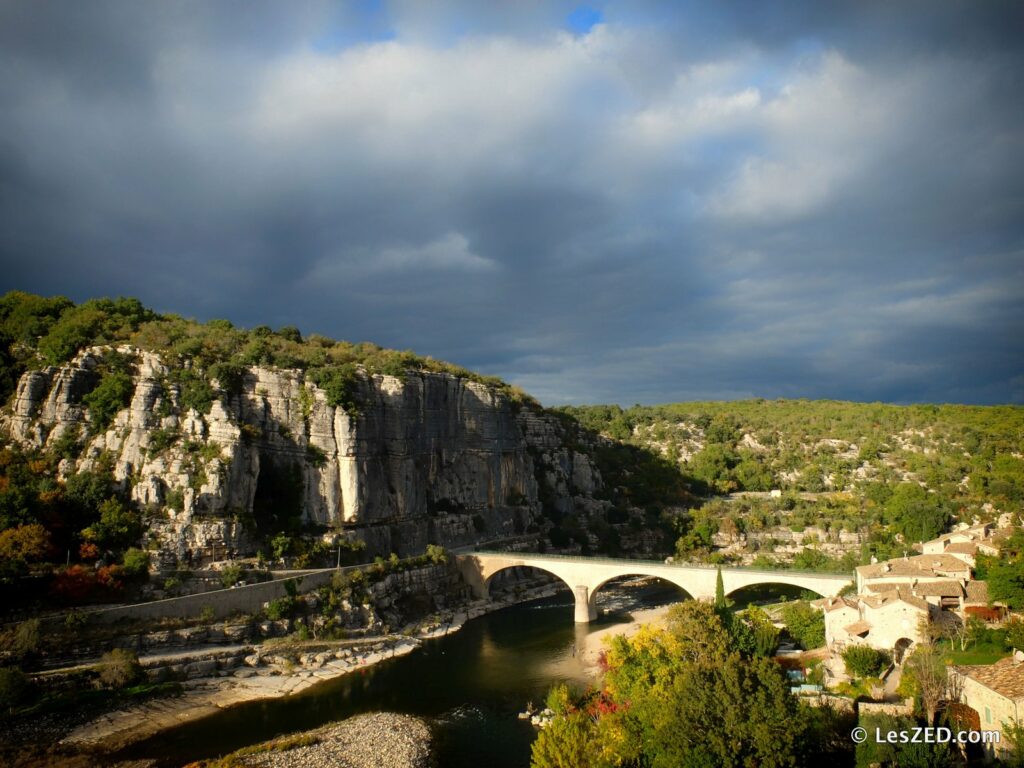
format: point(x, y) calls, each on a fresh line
point(433, 457)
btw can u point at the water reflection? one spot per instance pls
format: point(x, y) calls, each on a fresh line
point(470, 684)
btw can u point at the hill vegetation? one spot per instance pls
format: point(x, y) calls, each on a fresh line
point(886, 476)
point(852, 481)
point(37, 331)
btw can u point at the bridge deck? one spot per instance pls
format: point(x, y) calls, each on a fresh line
point(623, 561)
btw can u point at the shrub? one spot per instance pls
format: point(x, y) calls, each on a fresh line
point(436, 554)
point(136, 563)
point(25, 640)
point(118, 525)
point(120, 668)
point(231, 575)
point(862, 661)
point(26, 543)
point(161, 439)
point(176, 499)
point(805, 624)
point(280, 608)
point(74, 585)
point(14, 687)
point(194, 391)
point(229, 376)
point(113, 393)
point(76, 620)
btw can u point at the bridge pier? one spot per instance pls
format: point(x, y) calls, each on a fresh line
point(585, 610)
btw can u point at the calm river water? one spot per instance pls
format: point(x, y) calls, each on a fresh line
point(470, 685)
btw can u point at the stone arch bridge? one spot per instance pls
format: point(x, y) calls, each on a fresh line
point(586, 575)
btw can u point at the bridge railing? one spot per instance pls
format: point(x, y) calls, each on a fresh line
point(663, 564)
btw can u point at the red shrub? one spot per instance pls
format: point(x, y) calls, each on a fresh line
point(111, 577)
point(74, 585)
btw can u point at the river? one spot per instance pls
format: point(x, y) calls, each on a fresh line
point(470, 685)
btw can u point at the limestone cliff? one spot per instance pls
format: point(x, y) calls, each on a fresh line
point(428, 458)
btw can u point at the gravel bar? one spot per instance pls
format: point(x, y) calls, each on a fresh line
point(378, 740)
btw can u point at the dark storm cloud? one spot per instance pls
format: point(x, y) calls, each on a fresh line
point(679, 200)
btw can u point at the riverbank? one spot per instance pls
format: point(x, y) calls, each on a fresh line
point(596, 642)
point(378, 740)
point(268, 673)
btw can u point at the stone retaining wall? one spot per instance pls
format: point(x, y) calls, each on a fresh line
point(222, 602)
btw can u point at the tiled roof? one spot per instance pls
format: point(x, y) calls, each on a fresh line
point(919, 565)
point(837, 603)
point(893, 595)
point(1005, 677)
point(977, 592)
point(939, 589)
point(858, 628)
point(962, 547)
point(974, 533)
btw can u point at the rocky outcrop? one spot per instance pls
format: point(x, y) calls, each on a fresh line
point(428, 458)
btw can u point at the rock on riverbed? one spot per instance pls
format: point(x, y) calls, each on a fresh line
point(379, 740)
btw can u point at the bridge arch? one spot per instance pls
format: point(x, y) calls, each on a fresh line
point(596, 588)
point(489, 578)
point(780, 589)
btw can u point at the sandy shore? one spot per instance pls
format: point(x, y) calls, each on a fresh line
point(596, 642)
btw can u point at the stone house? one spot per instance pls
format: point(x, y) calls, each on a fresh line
point(996, 693)
point(840, 613)
point(967, 542)
point(892, 621)
point(912, 570)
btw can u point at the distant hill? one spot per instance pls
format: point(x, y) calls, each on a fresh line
point(887, 475)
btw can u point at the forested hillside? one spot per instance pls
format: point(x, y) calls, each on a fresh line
point(135, 440)
point(857, 479)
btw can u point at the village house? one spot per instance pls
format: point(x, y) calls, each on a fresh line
point(892, 621)
point(898, 599)
point(995, 693)
point(967, 542)
point(912, 570)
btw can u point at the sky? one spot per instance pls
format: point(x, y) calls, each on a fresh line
point(621, 202)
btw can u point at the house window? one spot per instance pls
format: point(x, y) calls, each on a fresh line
point(988, 715)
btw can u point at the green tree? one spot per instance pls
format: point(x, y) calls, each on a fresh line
point(862, 661)
point(136, 563)
point(120, 668)
point(118, 526)
point(737, 713)
point(568, 742)
point(720, 602)
point(1005, 576)
point(24, 544)
point(111, 395)
point(911, 755)
point(804, 623)
point(916, 513)
point(766, 634)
